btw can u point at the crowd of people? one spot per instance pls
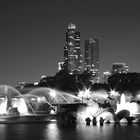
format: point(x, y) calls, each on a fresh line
point(94, 121)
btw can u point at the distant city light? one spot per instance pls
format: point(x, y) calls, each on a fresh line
point(71, 26)
point(43, 76)
point(36, 83)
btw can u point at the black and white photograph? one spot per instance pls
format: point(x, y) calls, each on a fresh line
point(69, 70)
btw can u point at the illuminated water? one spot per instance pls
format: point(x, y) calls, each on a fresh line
point(53, 131)
point(133, 107)
point(53, 96)
point(28, 128)
point(11, 98)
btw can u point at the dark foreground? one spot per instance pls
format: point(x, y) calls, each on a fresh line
point(52, 130)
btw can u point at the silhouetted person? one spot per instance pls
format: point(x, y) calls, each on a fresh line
point(88, 120)
point(101, 121)
point(94, 121)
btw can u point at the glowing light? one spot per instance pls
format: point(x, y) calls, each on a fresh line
point(71, 26)
point(85, 93)
point(70, 43)
point(52, 112)
point(41, 99)
point(52, 93)
point(36, 83)
point(81, 94)
point(33, 99)
point(43, 76)
point(114, 93)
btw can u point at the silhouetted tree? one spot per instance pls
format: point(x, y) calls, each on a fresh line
point(125, 82)
point(98, 86)
point(65, 82)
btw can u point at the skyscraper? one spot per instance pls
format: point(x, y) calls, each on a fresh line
point(92, 58)
point(72, 52)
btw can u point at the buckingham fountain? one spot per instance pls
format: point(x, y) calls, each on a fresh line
point(47, 102)
point(40, 102)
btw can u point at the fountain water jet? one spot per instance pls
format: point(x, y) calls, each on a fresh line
point(38, 103)
point(123, 105)
point(3, 106)
point(71, 97)
point(53, 92)
point(54, 96)
point(20, 104)
point(10, 98)
point(122, 100)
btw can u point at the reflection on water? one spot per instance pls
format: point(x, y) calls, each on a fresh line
point(54, 131)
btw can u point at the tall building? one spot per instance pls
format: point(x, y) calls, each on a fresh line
point(72, 52)
point(119, 68)
point(92, 58)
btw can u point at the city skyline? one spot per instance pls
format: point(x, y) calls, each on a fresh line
point(33, 35)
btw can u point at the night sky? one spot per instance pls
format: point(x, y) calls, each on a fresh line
point(32, 35)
